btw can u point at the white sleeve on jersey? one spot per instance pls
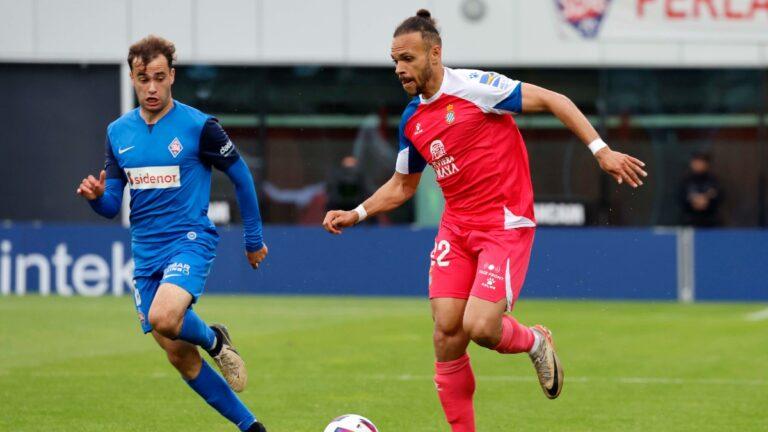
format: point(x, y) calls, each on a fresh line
point(490, 91)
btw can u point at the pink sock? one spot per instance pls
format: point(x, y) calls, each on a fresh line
point(455, 387)
point(515, 337)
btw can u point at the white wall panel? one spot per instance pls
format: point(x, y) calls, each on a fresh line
point(511, 33)
point(171, 19)
point(17, 27)
point(371, 24)
point(719, 54)
point(304, 31)
point(81, 29)
point(473, 42)
point(227, 30)
point(640, 54)
point(541, 43)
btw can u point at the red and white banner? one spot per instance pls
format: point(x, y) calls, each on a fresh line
point(671, 20)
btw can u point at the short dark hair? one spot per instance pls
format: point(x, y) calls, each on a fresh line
point(149, 48)
point(423, 23)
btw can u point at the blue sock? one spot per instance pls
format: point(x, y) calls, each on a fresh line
point(212, 387)
point(195, 331)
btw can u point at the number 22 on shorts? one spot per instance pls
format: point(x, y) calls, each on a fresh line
point(441, 250)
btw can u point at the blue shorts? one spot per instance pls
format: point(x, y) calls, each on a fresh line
point(187, 268)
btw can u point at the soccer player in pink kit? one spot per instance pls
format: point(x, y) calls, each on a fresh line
point(460, 122)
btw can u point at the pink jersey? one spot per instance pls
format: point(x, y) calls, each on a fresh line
point(466, 132)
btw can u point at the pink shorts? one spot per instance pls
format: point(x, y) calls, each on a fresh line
point(490, 265)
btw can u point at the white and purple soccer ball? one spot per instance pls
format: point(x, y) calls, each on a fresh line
point(351, 423)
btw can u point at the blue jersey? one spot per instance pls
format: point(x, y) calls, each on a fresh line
point(167, 167)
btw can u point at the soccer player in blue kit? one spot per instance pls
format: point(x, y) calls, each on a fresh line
point(164, 151)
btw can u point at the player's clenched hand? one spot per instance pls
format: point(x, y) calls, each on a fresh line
point(255, 258)
point(622, 167)
point(92, 188)
point(335, 220)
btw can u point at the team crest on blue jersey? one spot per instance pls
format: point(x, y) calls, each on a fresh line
point(175, 147)
point(450, 116)
point(584, 16)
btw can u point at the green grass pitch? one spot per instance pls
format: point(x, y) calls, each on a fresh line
point(81, 364)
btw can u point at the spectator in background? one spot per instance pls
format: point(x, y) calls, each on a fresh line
point(700, 193)
point(346, 185)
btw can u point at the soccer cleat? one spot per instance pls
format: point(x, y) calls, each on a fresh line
point(228, 360)
point(257, 427)
point(546, 363)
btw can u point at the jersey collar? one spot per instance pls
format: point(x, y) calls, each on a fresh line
point(141, 119)
point(439, 92)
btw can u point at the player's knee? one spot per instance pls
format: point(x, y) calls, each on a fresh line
point(164, 322)
point(484, 331)
point(446, 332)
point(440, 337)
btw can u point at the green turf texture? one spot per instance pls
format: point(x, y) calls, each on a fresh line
point(82, 364)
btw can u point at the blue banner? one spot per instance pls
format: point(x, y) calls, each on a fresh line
point(582, 263)
point(731, 265)
point(603, 263)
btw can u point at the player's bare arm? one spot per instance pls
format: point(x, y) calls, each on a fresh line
point(622, 167)
point(92, 188)
point(391, 195)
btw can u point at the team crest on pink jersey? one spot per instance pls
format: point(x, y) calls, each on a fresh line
point(584, 15)
point(175, 147)
point(450, 116)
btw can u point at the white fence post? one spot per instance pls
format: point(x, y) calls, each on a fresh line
point(686, 276)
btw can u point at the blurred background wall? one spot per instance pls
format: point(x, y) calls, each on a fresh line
point(294, 82)
point(303, 85)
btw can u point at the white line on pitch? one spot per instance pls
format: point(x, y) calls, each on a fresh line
point(758, 316)
point(619, 380)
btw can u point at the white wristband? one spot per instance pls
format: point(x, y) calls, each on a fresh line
point(361, 213)
point(597, 145)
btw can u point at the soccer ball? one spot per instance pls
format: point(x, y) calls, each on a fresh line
point(351, 423)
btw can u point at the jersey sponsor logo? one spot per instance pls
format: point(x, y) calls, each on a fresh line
point(418, 130)
point(584, 15)
point(495, 80)
point(158, 177)
point(122, 150)
point(175, 147)
point(437, 148)
point(450, 115)
point(226, 148)
point(443, 164)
